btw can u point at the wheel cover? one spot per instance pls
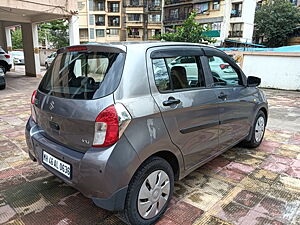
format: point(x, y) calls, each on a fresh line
point(153, 194)
point(259, 128)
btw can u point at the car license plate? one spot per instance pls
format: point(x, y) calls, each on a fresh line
point(57, 164)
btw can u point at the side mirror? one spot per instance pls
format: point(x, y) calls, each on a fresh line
point(253, 81)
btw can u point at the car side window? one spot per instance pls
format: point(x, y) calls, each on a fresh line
point(177, 73)
point(223, 73)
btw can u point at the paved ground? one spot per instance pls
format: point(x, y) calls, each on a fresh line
point(242, 186)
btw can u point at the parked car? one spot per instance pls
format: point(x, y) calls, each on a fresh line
point(5, 61)
point(120, 124)
point(2, 80)
point(50, 59)
point(18, 57)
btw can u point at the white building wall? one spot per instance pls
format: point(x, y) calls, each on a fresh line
point(279, 70)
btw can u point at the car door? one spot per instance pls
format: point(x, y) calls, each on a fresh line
point(234, 97)
point(187, 106)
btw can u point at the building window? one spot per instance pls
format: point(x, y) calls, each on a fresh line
point(91, 5)
point(92, 33)
point(114, 21)
point(133, 33)
point(92, 19)
point(201, 8)
point(216, 5)
point(236, 9)
point(99, 5)
point(83, 33)
point(155, 32)
point(100, 20)
point(236, 30)
point(100, 33)
point(154, 18)
point(174, 13)
point(113, 32)
point(134, 17)
point(114, 7)
point(156, 2)
point(134, 2)
point(294, 2)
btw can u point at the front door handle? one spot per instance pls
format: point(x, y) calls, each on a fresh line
point(171, 101)
point(222, 96)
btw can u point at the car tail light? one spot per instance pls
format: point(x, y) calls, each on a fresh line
point(110, 124)
point(33, 97)
point(33, 116)
point(224, 66)
point(7, 56)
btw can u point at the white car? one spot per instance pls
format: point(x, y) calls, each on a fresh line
point(18, 57)
point(220, 70)
point(50, 59)
point(5, 61)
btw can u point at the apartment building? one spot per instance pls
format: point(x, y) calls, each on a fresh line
point(116, 20)
point(229, 20)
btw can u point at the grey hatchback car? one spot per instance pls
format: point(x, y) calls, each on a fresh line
point(121, 122)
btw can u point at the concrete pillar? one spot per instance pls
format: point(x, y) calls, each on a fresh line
point(31, 49)
point(74, 30)
point(2, 37)
point(8, 40)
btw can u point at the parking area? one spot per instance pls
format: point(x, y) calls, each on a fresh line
point(242, 186)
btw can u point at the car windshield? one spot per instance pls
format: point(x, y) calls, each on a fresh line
point(79, 75)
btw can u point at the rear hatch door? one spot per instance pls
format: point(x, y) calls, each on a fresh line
point(75, 89)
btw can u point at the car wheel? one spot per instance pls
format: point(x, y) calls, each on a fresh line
point(258, 131)
point(3, 67)
point(46, 65)
point(2, 86)
point(149, 192)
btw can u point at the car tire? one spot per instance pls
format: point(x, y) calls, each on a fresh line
point(145, 202)
point(3, 67)
point(2, 86)
point(257, 132)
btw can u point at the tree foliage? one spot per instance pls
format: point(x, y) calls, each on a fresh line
point(55, 32)
point(190, 31)
point(16, 38)
point(275, 22)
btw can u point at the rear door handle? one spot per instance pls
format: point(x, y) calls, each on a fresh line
point(171, 101)
point(222, 96)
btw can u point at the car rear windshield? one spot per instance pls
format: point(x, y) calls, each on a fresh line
point(83, 75)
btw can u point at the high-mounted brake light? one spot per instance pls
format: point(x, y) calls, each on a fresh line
point(110, 125)
point(33, 115)
point(77, 48)
point(7, 56)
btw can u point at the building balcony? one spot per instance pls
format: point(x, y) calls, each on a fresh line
point(133, 3)
point(154, 7)
point(176, 19)
point(175, 2)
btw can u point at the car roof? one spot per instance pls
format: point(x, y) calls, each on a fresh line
point(138, 44)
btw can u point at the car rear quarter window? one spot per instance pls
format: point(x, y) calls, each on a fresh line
point(82, 75)
point(178, 73)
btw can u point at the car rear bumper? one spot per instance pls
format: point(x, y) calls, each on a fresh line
point(95, 173)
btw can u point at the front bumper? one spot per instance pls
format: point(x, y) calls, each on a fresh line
point(97, 173)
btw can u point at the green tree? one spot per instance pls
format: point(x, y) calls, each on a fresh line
point(190, 31)
point(16, 38)
point(55, 32)
point(275, 22)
